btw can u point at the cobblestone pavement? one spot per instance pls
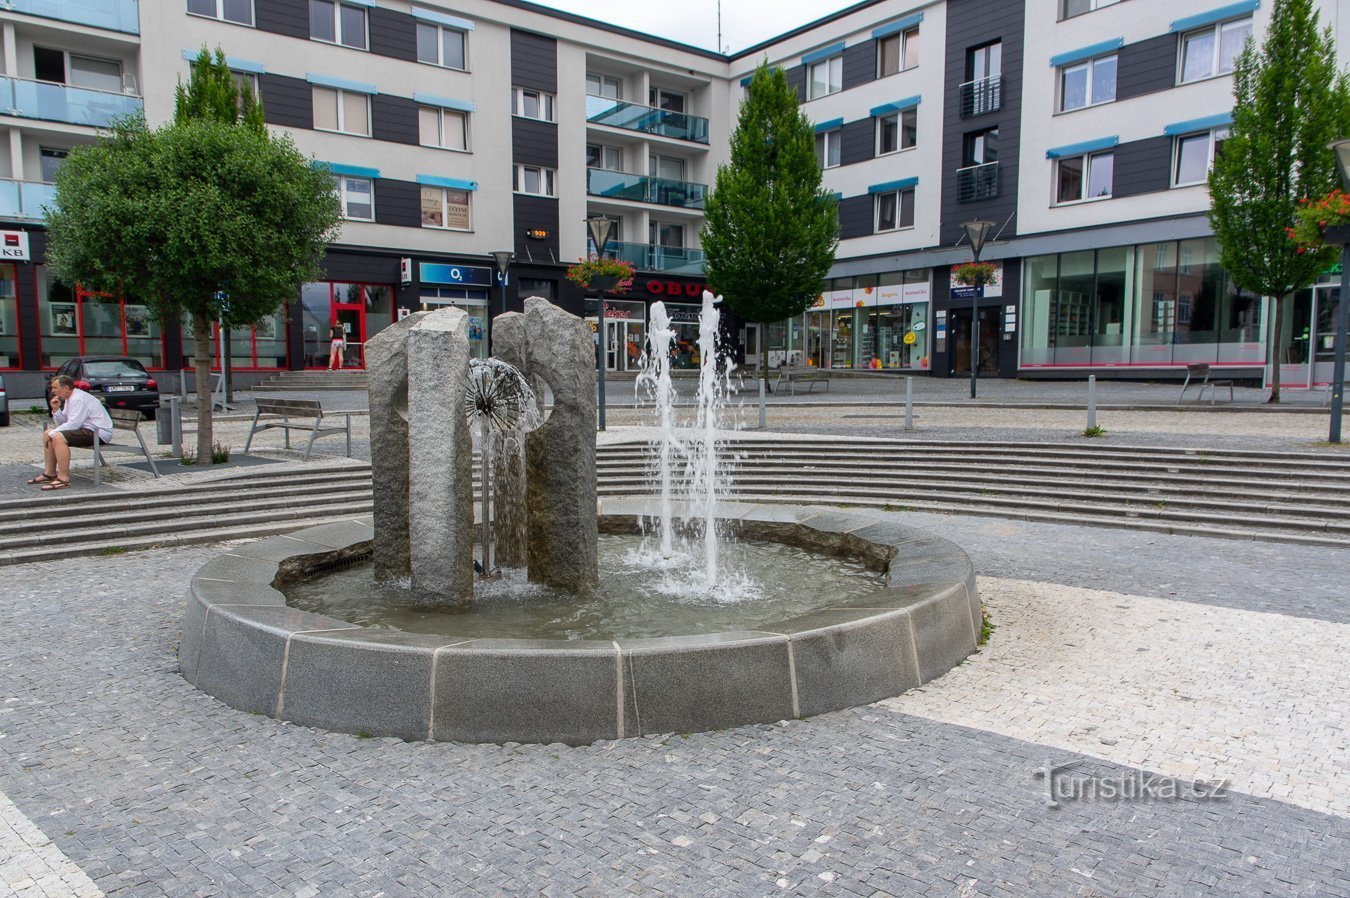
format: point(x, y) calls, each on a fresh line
point(152, 788)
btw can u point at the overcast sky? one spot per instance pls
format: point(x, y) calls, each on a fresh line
point(744, 22)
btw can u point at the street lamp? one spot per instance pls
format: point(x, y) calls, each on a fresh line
point(503, 258)
point(977, 232)
point(1342, 151)
point(600, 228)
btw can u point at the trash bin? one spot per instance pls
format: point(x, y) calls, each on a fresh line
point(168, 424)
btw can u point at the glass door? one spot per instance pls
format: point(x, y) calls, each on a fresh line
point(352, 317)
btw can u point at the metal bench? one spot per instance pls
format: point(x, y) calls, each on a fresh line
point(122, 419)
point(298, 408)
point(1199, 371)
point(802, 375)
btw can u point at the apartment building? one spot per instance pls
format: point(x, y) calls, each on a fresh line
point(460, 130)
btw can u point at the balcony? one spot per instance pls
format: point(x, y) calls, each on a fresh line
point(61, 103)
point(617, 185)
point(977, 182)
point(646, 119)
point(981, 96)
point(23, 200)
point(114, 15)
point(655, 257)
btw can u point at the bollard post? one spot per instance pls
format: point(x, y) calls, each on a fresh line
point(762, 416)
point(1092, 401)
point(909, 404)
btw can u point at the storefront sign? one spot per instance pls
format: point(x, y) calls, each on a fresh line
point(14, 246)
point(405, 271)
point(680, 314)
point(459, 275)
point(839, 299)
point(674, 288)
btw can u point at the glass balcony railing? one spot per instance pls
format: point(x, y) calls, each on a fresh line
point(977, 182)
point(982, 96)
point(654, 257)
point(114, 15)
point(647, 119)
point(62, 103)
point(617, 185)
point(24, 200)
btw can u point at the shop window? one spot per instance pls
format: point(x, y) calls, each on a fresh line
point(78, 322)
point(1087, 83)
point(894, 210)
point(338, 23)
point(441, 45)
point(446, 207)
point(239, 11)
point(533, 104)
point(1212, 50)
point(897, 131)
point(1086, 177)
point(445, 128)
point(897, 52)
point(825, 77)
point(341, 110)
point(827, 147)
point(9, 318)
point(1194, 154)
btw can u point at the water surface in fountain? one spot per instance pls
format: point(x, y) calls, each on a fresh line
point(640, 595)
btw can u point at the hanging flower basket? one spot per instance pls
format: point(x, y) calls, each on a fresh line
point(1321, 222)
point(971, 273)
point(607, 275)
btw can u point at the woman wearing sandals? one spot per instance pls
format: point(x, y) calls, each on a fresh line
point(76, 417)
point(337, 345)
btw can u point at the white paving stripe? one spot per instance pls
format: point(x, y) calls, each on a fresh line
point(31, 866)
point(1189, 691)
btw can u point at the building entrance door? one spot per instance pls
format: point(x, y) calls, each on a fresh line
point(961, 341)
point(353, 321)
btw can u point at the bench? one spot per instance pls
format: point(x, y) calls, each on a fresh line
point(308, 409)
point(122, 419)
point(802, 375)
point(1199, 371)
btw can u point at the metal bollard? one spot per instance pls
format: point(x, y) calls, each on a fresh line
point(1092, 401)
point(169, 423)
point(762, 382)
point(909, 404)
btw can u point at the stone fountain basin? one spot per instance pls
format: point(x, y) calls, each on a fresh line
point(243, 645)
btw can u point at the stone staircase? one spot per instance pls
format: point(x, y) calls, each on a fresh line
point(309, 381)
point(1275, 496)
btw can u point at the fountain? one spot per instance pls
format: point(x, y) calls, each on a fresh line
point(556, 651)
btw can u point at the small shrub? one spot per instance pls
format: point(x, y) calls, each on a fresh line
point(220, 454)
point(987, 627)
point(1094, 431)
point(112, 550)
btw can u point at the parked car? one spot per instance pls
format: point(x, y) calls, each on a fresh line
point(4, 403)
point(117, 382)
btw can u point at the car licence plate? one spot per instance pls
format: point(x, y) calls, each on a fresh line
point(120, 388)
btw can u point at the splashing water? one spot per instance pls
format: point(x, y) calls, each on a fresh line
point(704, 457)
point(655, 378)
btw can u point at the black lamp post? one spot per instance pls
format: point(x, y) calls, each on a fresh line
point(1342, 150)
point(600, 228)
point(977, 232)
point(503, 258)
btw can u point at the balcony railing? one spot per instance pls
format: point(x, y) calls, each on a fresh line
point(655, 257)
point(62, 103)
point(647, 119)
point(24, 200)
point(114, 15)
point(981, 96)
point(977, 182)
point(617, 185)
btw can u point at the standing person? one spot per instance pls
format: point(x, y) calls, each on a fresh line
point(337, 345)
point(76, 418)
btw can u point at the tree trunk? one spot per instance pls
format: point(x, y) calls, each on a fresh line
point(1276, 349)
point(201, 351)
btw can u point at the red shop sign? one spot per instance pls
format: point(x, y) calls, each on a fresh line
point(675, 288)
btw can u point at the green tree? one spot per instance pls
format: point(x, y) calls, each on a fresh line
point(1289, 103)
point(212, 93)
point(770, 231)
point(185, 217)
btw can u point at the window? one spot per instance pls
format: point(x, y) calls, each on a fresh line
point(897, 52)
point(51, 160)
point(337, 23)
point(92, 72)
point(438, 45)
point(445, 128)
point(358, 197)
point(665, 98)
point(665, 234)
point(895, 210)
point(1210, 51)
point(1072, 8)
point(604, 86)
point(1195, 154)
point(980, 147)
point(827, 147)
point(534, 180)
point(445, 207)
point(897, 131)
point(602, 156)
point(1086, 177)
point(1087, 83)
point(669, 168)
point(341, 110)
point(825, 77)
point(240, 11)
point(532, 104)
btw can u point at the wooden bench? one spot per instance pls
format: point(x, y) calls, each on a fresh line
point(122, 419)
point(802, 375)
point(1199, 372)
point(308, 409)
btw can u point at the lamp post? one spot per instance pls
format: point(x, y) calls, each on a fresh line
point(1342, 151)
point(503, 258)
point(976, 232)
point(600, 228)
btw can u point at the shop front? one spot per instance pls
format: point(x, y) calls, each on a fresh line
point(1310, 335)
point(874, 322)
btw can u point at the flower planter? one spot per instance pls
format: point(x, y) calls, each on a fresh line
point(604, 282)
point(1338, 235)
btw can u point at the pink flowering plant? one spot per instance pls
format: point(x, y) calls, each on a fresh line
point(586, 270)
point(1315, 215)
point(971, 273)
